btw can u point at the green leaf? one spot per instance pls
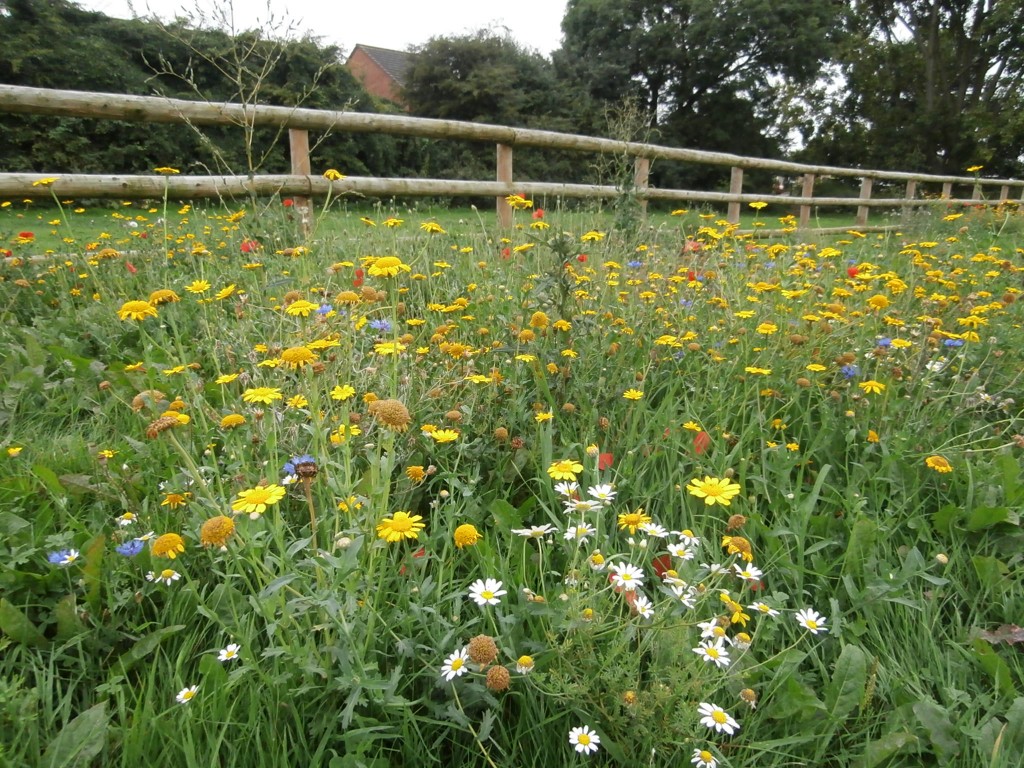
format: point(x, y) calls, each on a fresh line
point(991, 571)
point(846, 688)
point(17, 626)
point(80, 741)
point(68, 622)
point(879, 751)
point(994, 665)
point(944, 520)
point(1009, 469)
point(937, 721)
point(505, 515)
point(981, 518)
point(49, 479)
point(146, 646)
point(862, 541)
point(92, 571)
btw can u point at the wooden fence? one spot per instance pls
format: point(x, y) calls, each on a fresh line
point(302, 184)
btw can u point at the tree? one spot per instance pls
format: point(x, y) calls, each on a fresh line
point(930, 85)
point(489, 78)
point(676, 55)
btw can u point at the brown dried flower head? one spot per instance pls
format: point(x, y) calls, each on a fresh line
point(391, 413)
point(498, 679)
point(482, 650)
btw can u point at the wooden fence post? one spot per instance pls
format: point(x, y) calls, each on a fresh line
point(504, 173)
point(865, 194)
point(735, 188)
point(298, 147)
point(947, 190)
point(1004, 194)
point(806, 191)
point(641, 177)
point(909, 194)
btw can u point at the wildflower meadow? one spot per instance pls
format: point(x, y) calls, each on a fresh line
point(408, 489)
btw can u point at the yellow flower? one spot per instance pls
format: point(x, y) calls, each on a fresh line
point(223, 293)
point(432, 227)
point(466, 535)
point(714, 490)
point(939, 464)
point(444, 435)
point(163, 296)
point(254, 501)
point(543, 416)
point(385, 348)
point(45, 182)
point(391, 222)
point(388, 266)
point(974, 168)
point(296, 401)
point(737, 545)
point(592, 236)
point(332, 175)
point(168, 545)
point(265, 395)
point(227, 378)
point(872, 436)
point(633, 394)
point(758, 205)
point(301, 308)
point(297, 357)
point(342, 393)
point(633, 520)
point(136, 310)
point(197, 286)
point(872, 387)
point(232, 420)
point(416, 473)
point(400, 526)
point(166, 170)
point(14, 450)
point(216, 531)
point(564, 469)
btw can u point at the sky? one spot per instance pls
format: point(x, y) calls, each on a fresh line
point(397, 24)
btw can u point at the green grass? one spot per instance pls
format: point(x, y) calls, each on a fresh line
point(821, 382)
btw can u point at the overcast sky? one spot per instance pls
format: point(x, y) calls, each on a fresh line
point(384, 23)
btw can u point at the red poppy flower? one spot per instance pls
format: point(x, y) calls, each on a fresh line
point(358, 281)
point(287, 202)
point(130, 267)
point(26, 235)
point(701, 442)
point(582, 258)
point(662, 564)
point(538, 213)
point(604, 460)
point(506, 253)
point(691, 275)
point(248, 246)
point(852, 271)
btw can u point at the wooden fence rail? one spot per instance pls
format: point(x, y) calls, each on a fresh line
point(302, 184)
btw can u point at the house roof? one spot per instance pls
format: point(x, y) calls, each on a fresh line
point(395, 63)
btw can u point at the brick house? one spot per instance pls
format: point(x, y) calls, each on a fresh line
point(380, 70)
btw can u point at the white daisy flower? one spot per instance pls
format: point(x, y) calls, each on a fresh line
point(455, 665)
point(584, 740)
point(626, 576)
point(717, 719)
point(811, 620)
point(486, 592)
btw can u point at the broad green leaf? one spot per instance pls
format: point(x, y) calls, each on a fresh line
point(981, 518)
point(878, 752)
point(994, 665)
point(1009, 469)
point(861, 544)
point(937, 721)
point(846, 688)
point(80, 741)
point(49, 479)
point(991, 571)
point(68, 622)
point(17, 626)
point(92, 571)
point(505, 515)
point(794, 702)
point(1013, 736)
point(944, 520)
point(146, 646)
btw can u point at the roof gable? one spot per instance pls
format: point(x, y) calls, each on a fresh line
point(395, 63)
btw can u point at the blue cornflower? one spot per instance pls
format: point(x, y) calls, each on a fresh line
point(953, 343)
point(324, 309)
point(130, 548)
point(299, 466)
point(634, 263)
point(885, 341)
point(64, 557)
point(849, 371)
point(381, 325)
